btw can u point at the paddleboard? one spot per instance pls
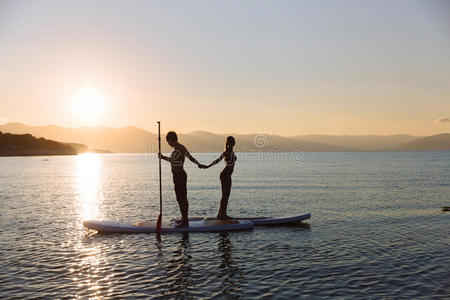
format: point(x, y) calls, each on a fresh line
point(202, 225)
point(264, 221)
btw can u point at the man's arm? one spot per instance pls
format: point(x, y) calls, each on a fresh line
point(191, 158)
point(163, 157)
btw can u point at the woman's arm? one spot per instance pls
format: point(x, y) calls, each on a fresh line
point(217, 160)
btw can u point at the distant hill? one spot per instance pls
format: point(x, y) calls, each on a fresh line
point(209, 142)
point(80, 148)
point(26, 144)
point(136, 140)
point(361, 142)
point(439, 142)
point(94, 138)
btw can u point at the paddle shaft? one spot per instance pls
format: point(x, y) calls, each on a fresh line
point(158, 224)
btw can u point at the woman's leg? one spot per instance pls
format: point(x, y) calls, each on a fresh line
point(225, 181)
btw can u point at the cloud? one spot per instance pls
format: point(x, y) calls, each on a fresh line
point(443, 120)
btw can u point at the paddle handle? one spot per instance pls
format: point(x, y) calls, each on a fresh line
point(158, 222)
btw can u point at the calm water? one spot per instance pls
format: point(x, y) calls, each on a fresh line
point(377, 230)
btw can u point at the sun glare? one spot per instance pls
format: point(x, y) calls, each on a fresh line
point(88, 186)
point(88, 105)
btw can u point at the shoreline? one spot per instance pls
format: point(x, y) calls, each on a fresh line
point(34, 153)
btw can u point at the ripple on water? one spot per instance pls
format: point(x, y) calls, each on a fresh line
point(372, 234)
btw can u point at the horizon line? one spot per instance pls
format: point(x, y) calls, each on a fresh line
point(217, 133)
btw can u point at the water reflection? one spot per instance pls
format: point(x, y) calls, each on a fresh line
point(229, 272)
point(181, 275)
point(88, 265)
point(89, 194)
point(88, 271)
point(180, 269)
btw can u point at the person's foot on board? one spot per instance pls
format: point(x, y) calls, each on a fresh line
point(182, 225)
point(225, 217)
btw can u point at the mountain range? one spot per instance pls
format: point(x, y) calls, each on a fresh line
point(136, 140)
point(27, 145)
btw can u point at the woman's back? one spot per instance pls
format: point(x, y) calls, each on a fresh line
point(229, 159)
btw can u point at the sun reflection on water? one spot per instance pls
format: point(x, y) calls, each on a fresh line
point(90, 271)
point(88, 188)
point(88, 267)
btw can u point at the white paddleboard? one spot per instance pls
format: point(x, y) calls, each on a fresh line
point(263, 221)
point(168, 226)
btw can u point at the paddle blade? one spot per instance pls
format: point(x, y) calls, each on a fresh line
point(158, 224)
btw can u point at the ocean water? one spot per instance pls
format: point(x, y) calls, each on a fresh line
point(377, 229)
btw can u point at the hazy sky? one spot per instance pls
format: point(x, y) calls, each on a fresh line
point(282, 67)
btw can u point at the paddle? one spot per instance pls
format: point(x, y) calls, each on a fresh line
point(158, 223)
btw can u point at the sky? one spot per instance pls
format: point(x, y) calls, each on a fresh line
point(278, 67)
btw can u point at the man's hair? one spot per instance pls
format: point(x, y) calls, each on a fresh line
point(171, 135)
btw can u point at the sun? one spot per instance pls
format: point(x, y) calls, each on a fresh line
point(88, 106)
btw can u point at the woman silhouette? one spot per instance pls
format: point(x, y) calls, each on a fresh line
point(225, 176)
point(176, 160)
